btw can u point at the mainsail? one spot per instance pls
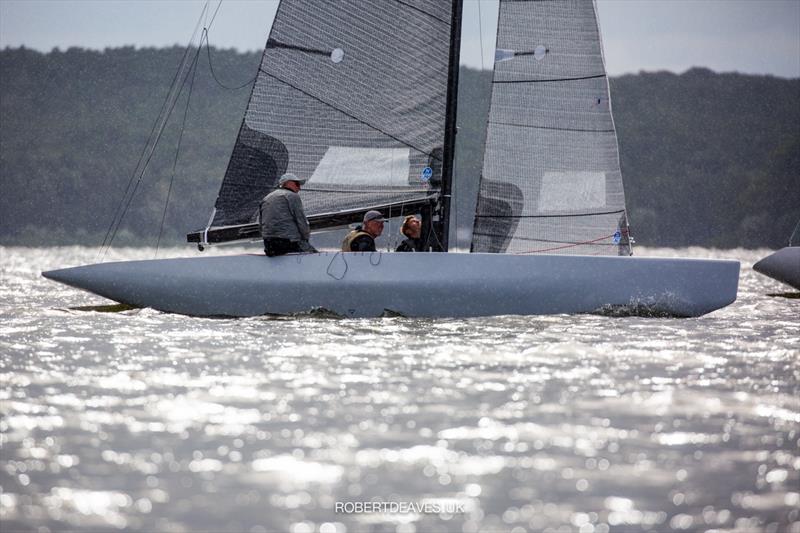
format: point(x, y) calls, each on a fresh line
point(551, 180)
point(352, 95)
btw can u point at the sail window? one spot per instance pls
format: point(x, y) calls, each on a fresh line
point(572, 191)
point(346, 165)
point(502, 54)
point(337, 55)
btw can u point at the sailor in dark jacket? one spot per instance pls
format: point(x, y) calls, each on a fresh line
point(284, 226)
point(362, 239)
point(412, 229)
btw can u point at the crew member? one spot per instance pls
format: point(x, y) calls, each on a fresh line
point(284, 225)
point(412, 229)
point(362, 239)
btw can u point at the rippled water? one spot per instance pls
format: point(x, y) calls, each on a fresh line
point(146, 421)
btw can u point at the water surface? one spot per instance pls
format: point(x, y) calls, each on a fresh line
point(144, 421)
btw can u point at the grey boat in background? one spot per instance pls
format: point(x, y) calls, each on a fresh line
point(784, 265)
point(360, 98)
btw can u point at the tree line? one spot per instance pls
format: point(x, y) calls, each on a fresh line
point(708, 159)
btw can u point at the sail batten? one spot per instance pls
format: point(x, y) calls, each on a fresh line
point(617, 212)
point(548, 127)
point(551, 80)
point(551, 165)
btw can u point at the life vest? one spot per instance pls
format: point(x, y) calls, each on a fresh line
point(358, 232)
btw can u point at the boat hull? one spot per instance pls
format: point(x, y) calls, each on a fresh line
point(411, 284)
point(783, 265)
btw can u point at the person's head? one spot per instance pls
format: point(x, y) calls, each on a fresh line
point(412, 227)
point(291, 182)
point(373, 223)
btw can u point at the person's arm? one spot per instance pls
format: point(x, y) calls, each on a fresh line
point(299, 214)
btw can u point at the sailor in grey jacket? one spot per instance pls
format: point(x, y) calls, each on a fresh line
point(284, 225)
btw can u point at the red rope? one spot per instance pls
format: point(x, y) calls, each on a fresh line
point(566, 246)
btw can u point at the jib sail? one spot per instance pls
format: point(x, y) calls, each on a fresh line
point(551, 179)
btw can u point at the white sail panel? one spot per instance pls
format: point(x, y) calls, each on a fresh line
point(370, 167)
point(563, 191)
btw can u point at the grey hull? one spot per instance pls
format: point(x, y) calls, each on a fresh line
point(411, 284)
point(783, 265)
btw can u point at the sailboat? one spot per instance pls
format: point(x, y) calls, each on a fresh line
point(360, 97)
point(783, 265)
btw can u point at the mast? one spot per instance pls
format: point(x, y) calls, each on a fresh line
point(448, 155)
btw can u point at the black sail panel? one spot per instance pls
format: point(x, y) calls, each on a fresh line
point(551, 180)
point(258, 160)
point(350, 94)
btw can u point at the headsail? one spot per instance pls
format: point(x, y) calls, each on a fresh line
point(352, 95)
point(551, 180)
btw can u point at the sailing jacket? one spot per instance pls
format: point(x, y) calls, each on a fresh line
point(358, 240)
point(282, 216)
point(410, 245)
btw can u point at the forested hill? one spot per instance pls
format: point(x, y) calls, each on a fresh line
point(708, 159)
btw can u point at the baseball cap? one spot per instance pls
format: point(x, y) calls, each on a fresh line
point(290, 177)
point(373, 215)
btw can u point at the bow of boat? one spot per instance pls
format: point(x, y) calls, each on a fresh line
point(783, 266)
point(79, 277)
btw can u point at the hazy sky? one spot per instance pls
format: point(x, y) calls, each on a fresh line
point(749, 36)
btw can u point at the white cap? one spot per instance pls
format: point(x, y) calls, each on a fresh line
point(290, 177)
point(373, 215)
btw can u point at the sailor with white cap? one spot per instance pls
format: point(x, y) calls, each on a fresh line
point(284, 226)
point(362, 239)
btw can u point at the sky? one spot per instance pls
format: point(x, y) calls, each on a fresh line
point(747, 36)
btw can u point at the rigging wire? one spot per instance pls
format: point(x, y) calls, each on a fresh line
point(141, 165)
point(178, 149)
point(203, 38)
point(153, 146)
point(211, 64)
point(214, 74)
point(453, 193)
point(214, 16)
point(569, 245)
point(795, 234)
point(480, 32)
point(159, 125)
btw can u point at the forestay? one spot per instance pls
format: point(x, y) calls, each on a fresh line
point(551, 180)
point(350, 94)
